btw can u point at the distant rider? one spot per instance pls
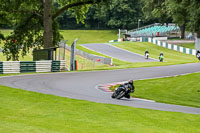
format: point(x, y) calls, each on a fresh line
point(146, 53)
point(198, 54)
point(161, 57)
point(130, 87)
point(161, 54)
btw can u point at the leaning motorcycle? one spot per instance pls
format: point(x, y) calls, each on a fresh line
point(120, 92)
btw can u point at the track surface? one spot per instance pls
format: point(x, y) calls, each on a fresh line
point(82, 85)
point(117, 53)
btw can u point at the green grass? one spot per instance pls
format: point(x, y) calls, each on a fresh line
point(180, 90)
point(92, 36)
point(177, 38)
point(83, 63)
point(188, 45)
point(116, 62)
point(28, 112)
point(89, 36)
point(170, 56)
point(28, 57)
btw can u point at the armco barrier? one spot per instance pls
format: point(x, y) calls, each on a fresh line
point(172, 46)
point(11, 67)
point(27, 66)
point(31, 66)
point(55, 66)
point(1, 67)
point(43, 66)
point(92, 57)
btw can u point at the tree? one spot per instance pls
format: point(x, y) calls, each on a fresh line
point(31, 17)
point(194, 13)
point(123, 13)
point(156, 10)
point(178, 10)
point(194, 21)
point(169, 10)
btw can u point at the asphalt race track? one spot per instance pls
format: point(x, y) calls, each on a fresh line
point(82, 85)
point(117, 53)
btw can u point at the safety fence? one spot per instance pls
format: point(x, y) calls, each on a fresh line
point(169, 46)
point(31, 66)
point(92, 57)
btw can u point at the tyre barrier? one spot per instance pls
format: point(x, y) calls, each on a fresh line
point(31, 66)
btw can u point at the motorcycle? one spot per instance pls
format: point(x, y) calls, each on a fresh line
point(120, 92)
point(198, 56)
point(161, 58)
point(147, 55)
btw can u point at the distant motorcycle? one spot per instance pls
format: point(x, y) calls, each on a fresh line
point(120, 92)
point(161, 58)
point(147, 55)
point(198, 56)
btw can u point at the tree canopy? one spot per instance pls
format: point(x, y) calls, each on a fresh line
point(35, 23)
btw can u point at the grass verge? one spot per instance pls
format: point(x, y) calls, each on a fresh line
point(179, 90)
point(24, 111)
point(188, 45)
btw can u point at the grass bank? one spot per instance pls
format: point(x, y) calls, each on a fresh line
point(180, 90)
point(188, 45)
point(89, 36)
point(170, 56)
point(27, 112)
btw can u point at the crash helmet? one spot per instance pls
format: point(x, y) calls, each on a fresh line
point(130, 81)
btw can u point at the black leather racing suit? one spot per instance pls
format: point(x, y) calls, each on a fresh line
point(130, 88)
point(146, 52)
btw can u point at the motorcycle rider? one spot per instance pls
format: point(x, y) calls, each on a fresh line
point(198, 54)
point(146, 54)
point(130, 87)
point(161, 57)
point(161, 54)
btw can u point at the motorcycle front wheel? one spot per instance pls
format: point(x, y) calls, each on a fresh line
point(121, 94)
point(113, 95)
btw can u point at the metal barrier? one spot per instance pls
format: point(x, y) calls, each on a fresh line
point(92, 57)
point(31, 66)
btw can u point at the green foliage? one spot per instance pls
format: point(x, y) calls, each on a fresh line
point(1, 36)
point(23, 40)
point(116, 14)
point(122, 13)
point(194, 12)
point(31, 17)
point(156, 9)
point(182, 12)
point(178, 10)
